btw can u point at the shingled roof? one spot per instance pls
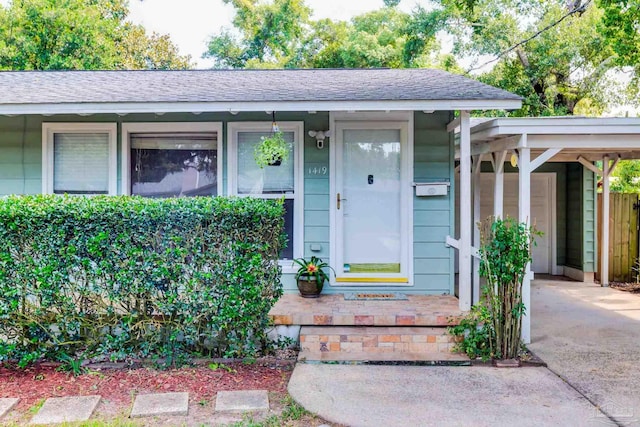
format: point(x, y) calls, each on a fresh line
point(226, 88)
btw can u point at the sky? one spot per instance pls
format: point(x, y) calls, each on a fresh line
point(191, 22)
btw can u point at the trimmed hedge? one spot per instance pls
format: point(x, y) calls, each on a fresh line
point(127, 277)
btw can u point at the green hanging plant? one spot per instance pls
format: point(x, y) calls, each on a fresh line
point(272, 150)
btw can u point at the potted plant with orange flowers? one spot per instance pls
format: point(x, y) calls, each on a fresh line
point(311, 276)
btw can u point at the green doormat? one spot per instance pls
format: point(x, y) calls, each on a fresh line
point(374, 296)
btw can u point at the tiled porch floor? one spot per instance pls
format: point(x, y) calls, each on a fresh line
point(333, 309)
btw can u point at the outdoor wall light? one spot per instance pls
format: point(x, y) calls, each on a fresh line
point(320, 136)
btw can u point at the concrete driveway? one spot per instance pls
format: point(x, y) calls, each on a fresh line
point(590, 336)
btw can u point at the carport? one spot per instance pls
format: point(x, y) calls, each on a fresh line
point(527, 144)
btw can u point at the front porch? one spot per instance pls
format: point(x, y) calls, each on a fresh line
point(332, 328)
point(334, 310)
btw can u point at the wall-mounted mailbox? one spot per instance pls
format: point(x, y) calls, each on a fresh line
point(426, 189)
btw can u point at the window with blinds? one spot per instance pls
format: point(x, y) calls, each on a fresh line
point(174, 164)
point(81, 163)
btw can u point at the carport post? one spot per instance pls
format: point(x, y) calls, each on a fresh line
point(604, 262)
point(477, 165)
point(464, 252)
point(498, 185)
point(524, 213)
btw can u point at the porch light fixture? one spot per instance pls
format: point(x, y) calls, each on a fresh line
point(514, 160)
point(320, 136)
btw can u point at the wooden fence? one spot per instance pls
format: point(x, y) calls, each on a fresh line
point(623, 236)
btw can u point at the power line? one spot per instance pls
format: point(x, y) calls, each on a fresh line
point(578, 9)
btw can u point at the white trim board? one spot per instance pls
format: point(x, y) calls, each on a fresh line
point(48, 131)
point(311, 105)
point(161, 127)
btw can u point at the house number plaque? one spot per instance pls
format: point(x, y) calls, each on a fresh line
point(317, 169)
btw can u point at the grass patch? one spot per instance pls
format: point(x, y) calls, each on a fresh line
point(292, 415)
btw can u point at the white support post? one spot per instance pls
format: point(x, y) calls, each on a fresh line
point(524, 215)
point(477, 166)
point(604, 253)
point(498, 185)
point(464, 268)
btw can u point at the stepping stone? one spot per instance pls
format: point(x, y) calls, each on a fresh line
point(6, 404)
point(244, 400)
point(66, 409)
point(147, 405)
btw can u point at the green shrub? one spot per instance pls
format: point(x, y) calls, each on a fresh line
point(474, 333)
point(504, 256)
point(493, 327)
point(133, 277)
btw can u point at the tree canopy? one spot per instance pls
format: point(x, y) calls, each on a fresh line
point(561, 56)
point(80, 35)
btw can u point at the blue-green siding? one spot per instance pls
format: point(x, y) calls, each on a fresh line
point(433, 217)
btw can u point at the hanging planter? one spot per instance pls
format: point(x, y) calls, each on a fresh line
point(273, 149)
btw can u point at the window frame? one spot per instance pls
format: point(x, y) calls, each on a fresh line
point(49, 129)
point(168, 127)
point(297, 127)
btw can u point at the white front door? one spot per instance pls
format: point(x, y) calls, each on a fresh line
point(371, 204)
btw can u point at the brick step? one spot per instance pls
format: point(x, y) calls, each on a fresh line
point(376, 343)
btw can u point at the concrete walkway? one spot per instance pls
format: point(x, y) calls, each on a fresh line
point(359, 395)
point(590, 336)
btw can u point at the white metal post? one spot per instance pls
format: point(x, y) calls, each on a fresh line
point(498, 185)
point(604, 252)
point(464, 253)
point(524, 214)
point(477, 164)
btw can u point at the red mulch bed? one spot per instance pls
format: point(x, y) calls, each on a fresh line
point(118, 386)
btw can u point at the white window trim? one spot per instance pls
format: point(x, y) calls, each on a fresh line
point(298, 176)
point(50, 129)
point(129, 128)
point(375, 120)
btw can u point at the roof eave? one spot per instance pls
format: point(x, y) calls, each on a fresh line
point(205, 107)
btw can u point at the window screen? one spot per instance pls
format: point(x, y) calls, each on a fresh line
point(174, 165)
point(81, 163)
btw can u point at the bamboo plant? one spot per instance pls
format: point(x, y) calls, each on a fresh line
point(505, 254)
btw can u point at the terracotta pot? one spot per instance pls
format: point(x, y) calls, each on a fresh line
point(309, 287)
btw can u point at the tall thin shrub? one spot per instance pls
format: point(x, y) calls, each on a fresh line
point(505, 254)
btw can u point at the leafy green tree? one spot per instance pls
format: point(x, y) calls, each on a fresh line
point(79, 34)
point(627, 175)
point(549, 52)
point(138, 50)
point(270, 34)
point(281, 34)
point(621, 26)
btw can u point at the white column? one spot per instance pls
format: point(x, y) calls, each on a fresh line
point(464, 253)
point(524, 215)
point(476, 230)
point(498, 185)
point(604, 252)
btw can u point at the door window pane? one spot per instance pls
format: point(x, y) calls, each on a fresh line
point(81, 163)
point(174, 165)
point(371, 173)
